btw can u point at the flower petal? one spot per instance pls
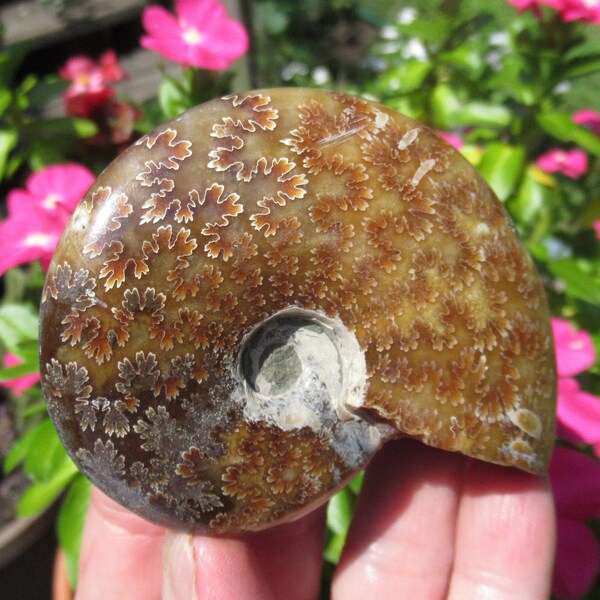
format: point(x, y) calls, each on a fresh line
point(160, 23)
point(201, 14)
point(19, 384)
point(575, 480)
point(574, 349)
point(572, 163)
point(577, 560)
point(76, 66)
point(68, 183)
point(588, 118)
point(578, 413)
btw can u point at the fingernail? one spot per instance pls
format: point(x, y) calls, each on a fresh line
point(179, 567)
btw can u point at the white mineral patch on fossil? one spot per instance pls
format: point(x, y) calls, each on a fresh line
point(302, 369)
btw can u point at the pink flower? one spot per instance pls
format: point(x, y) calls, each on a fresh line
point(82, 70)
point(454, 140)
point(89, 91)
point(574, 349)
point(578, 411)
point(577, 10)
point(572, 163)
point(38, 214)
point(19, 384)
point(575, 480)
point(569, 10)
point(597, 229)
point(589, 119)
point(522, 5)
point(200, 34)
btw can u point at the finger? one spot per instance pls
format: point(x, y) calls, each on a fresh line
point(283, 562)
point(401, 541)
point(120, 554)
point(505, 536)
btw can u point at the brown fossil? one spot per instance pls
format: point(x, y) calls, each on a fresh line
point(254, 297)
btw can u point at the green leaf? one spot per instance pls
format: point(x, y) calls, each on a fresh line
point(539, 251)
point(19, 451)
point(173, 97)
point(18, 324)
point(482, 113)
point(582, 65)
point(561, 126)
point(8, 141)
point(70, 522)
point(37, 408)
point(333, 549)
point(356, 484)
point(502, 166)
point(339, 511)
point(433, 29)
point(46, 453)
point(466, 58)
point(10, 373)
point(40, 495)
point(84, 128)
point(444, 104)
point(46, 89)
point(41, 154)
point(404, 78)
point(65, 127)
point(10, 61)
point(6, 98)
point(529, 200)
point(579, 281)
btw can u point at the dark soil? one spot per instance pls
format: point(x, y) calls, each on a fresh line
point(12, 485)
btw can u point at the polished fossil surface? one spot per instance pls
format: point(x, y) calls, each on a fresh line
point(256, 295)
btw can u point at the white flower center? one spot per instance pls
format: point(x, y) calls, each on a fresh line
point(192, 36)
point(51, 201)
point(36, 239)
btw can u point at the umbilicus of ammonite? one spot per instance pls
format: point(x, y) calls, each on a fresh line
point(257, 295)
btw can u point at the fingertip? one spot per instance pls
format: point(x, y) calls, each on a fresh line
point(506, 534)
point(280, 562)
point(401, 539)
point(114, 515)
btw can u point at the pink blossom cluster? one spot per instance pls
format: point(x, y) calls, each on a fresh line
point(572, 163)
point(578, 411)
point(90, 89)
point(199, 34)
point(91, 96)
point(569, 10)
point(454, 140)
point(38, 214)
point(575, 476)
point(19, 384)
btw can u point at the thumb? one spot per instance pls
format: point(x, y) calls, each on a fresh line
point(120, 554)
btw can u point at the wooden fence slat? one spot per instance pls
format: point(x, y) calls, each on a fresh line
point(29, 20)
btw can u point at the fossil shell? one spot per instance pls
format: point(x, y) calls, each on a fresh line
point(255, 296)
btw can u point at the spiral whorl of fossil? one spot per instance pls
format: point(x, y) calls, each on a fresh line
point(255, 296)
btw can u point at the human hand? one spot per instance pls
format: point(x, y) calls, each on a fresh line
point(428, 525)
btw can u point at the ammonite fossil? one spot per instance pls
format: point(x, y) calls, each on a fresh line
point(254, 297)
